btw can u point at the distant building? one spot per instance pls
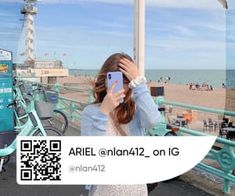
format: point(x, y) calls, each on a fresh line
point(42, 69)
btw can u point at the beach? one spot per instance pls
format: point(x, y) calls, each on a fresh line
point(173, 92)
point(181, 93)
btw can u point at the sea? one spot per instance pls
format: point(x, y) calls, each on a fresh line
point(211, 77)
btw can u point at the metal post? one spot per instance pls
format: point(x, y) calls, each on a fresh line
point(1, 164)
point(139, 34)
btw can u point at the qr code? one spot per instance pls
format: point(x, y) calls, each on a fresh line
point(40, 160)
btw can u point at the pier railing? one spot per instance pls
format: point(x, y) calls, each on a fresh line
point(71, 107)
point(223, 154)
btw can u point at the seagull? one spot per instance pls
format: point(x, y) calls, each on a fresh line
point(224, 3)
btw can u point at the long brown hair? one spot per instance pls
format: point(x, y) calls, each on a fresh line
point(125, 111)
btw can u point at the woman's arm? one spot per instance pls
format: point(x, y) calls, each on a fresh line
point(95, 118)
point(93, 122)
point(147, 110)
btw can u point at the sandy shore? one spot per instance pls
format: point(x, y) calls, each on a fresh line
point(181, 93)
point(173, 92)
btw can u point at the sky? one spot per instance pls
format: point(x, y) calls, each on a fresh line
point(185, 34)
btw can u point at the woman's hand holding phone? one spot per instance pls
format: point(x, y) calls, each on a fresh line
point(111, 100)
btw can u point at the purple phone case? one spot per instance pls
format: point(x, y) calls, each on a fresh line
point(115, 76)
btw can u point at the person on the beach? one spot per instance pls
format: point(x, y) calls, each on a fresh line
point(108, 117)
point(211, 88)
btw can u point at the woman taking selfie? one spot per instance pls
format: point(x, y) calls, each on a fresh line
point(128, 112)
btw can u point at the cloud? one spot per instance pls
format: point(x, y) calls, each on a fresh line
point(198, 4)
point(181, 44)
point(4, 14)
point(11, 1)
point(192, 4)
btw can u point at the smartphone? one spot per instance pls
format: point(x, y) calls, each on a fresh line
point(115, 76)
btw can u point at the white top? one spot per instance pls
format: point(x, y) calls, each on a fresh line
point(112, 130)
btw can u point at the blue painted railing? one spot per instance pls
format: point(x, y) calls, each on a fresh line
point(224, 155)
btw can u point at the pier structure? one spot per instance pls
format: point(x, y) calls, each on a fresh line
point(46, 71)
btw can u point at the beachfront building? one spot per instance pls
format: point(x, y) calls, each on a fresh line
point(43, 71)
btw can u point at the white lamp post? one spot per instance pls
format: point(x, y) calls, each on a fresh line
point(139, 34)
